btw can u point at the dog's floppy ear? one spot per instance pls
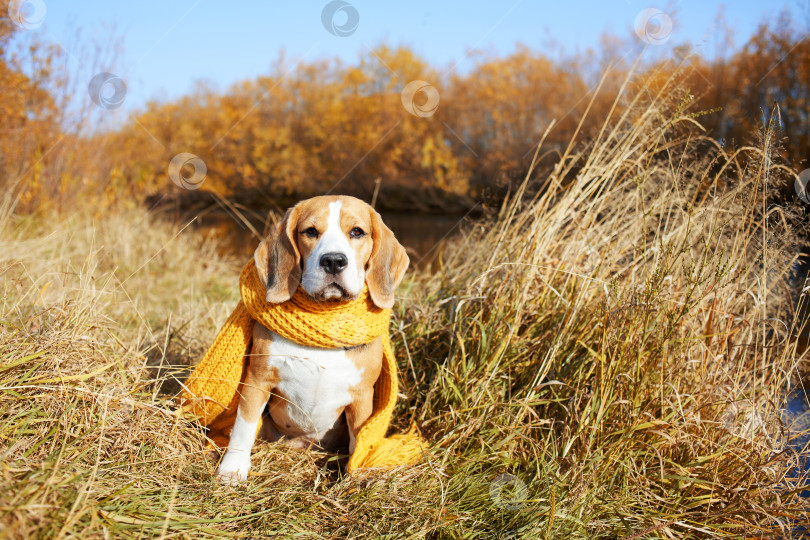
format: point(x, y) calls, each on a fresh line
point(278, 260)
point(387, 263)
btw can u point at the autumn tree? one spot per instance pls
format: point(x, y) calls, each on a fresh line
point(499, 111)
point(29, 129)
point(773, 69)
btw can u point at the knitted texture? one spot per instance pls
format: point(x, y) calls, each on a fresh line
point(213, 389)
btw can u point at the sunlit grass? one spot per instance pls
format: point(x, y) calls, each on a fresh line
point(602, 358)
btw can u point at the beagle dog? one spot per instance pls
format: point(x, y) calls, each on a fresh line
point(331, 246)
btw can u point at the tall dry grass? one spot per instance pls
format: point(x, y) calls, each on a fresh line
point(604, 358)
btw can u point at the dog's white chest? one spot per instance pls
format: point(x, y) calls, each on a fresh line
point(314, 382)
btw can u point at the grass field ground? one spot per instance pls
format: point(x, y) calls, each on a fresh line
point(604, 357)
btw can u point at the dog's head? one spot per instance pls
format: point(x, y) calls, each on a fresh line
point(330, 246)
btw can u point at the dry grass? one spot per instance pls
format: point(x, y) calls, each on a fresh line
point(612, 342)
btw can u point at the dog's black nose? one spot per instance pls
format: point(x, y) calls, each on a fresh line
point(334, 263)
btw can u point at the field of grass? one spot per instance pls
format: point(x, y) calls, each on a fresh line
point(604, 357)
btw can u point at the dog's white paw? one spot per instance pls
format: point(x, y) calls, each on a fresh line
point(233, 469)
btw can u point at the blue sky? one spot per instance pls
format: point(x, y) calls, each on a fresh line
point(169, 45)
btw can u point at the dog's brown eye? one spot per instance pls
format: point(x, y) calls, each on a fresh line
point(312, 232)
point(357, 232)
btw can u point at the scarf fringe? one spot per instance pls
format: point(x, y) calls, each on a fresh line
point(400, 449)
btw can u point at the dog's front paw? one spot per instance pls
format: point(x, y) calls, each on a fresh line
point(233, 469)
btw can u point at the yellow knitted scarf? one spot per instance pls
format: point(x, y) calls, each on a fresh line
point(213, 389)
